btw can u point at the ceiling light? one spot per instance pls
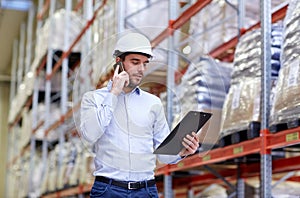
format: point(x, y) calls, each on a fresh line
point(187, 49)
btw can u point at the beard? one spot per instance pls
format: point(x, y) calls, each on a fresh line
point(133, 82)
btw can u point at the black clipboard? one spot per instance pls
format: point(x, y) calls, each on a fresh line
point(192, 121)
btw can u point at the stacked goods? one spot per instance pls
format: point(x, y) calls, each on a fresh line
point(242, 104)
point(54, 116)
point(57, 41)
point(42, 44)
point(204, 87)
point(213, 191)
point(51, 171)
point(86, 167)
point(26, 128)
point(219, 20)
point(67, 166)
point(286, 108)
point(280, 190)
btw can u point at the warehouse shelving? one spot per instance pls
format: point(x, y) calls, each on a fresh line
point(246, 171)
point(45, 63)
point(262, 144)
point(254, 146)
point(57, 65)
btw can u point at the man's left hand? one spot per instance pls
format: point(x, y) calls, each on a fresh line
point(190, 143)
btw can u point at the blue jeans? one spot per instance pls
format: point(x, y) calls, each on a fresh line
point(104, 190)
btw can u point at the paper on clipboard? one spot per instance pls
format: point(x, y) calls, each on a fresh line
point(192, 121)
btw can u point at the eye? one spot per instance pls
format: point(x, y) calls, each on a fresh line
point(135, 62)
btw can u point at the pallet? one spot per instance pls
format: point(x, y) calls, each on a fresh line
point(285, 125)
point(251, 132)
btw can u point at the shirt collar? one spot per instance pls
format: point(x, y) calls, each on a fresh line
point(136, 90)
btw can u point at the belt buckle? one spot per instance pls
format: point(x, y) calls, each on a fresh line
point(129, 186)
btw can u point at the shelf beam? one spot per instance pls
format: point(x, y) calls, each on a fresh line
point(284, 138)
point(213, 156)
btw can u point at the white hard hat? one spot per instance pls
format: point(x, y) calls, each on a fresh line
point(133, 42)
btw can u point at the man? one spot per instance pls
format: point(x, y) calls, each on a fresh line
point(126, 124)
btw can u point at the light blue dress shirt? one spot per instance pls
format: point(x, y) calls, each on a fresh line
point(125, 130)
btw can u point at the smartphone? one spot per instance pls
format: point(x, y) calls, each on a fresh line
point(121, 67)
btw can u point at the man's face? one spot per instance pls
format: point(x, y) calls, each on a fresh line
point(135, 65)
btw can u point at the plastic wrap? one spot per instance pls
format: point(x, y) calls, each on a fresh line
point(62, 166)
point(54, 116)
point(99, 60)
point(242, 105)
point(24, 175)
point(37, 182)
point(55, 81)
point(57, 33)
point(44, 184)
point(71, 175)
point(219, 20)
point(203, 87)
point(287, 94)
point(52, 171)
point(26, 127)
point(213, 191)
point(206, 25)
point(247, 57)
point(87, 168)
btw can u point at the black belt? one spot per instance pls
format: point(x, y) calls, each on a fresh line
point(125, 184)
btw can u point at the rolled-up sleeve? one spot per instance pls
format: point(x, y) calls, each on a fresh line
point(95, 114)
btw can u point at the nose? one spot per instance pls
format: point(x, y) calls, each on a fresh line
point(141, 67)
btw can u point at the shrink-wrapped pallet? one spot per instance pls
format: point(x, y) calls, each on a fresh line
point(287, 96)
point(286, 106)
point(24, 175)
point(242, 105)
point(26, 127)
point(38, 187)
point(55, 81)
point(87, 168)
point(203, 86)
point(62, 154)
point(75, 162)
point(213, 191)
point(53, 117)
point(44, 184)
point(70, 162)
point(219, 20)
point(52, 171)
point(57, 33)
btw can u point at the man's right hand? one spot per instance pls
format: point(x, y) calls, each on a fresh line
point(120, 80)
